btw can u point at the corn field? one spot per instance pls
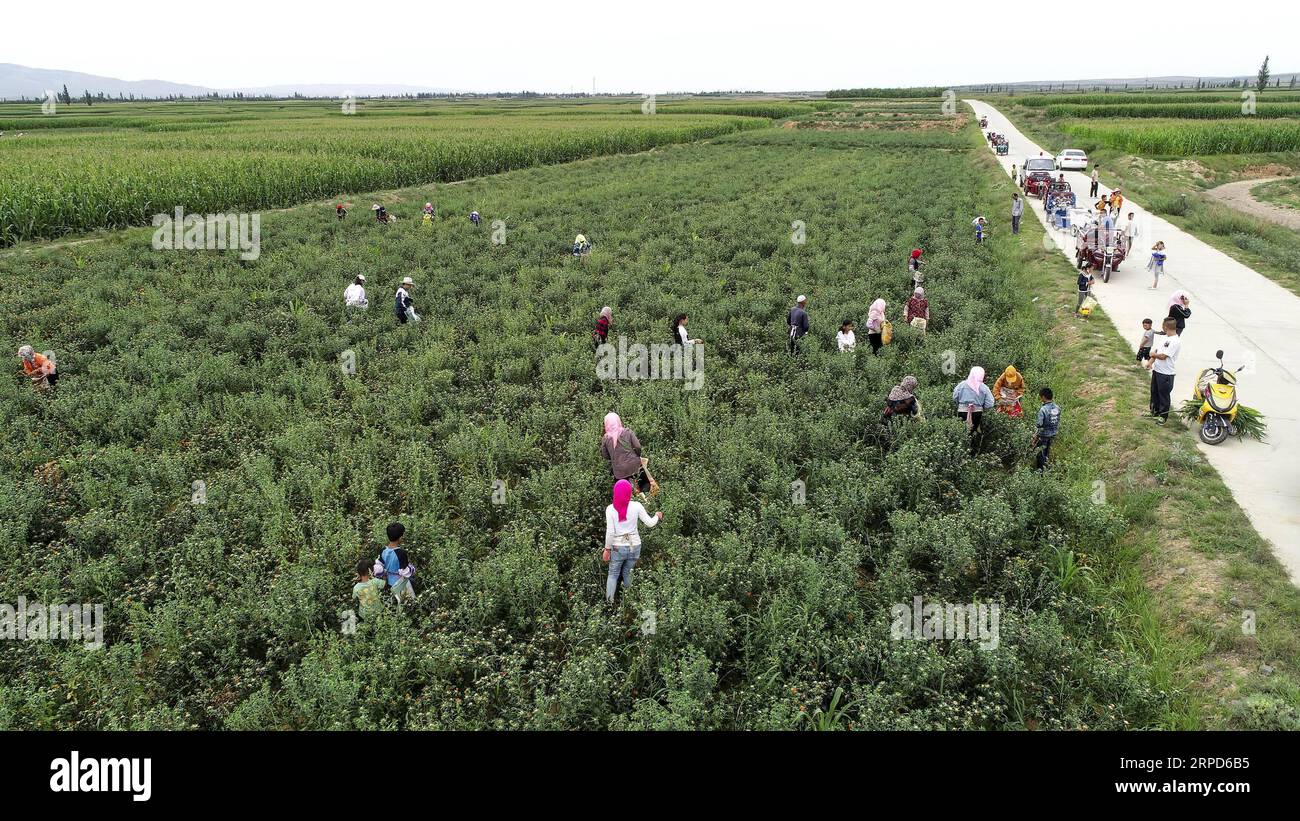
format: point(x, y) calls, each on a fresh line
point(1167, 98)
point(1188, 138)
point(123, 170)
point(1188, 111)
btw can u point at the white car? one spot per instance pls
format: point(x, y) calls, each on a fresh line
point(1072, 159)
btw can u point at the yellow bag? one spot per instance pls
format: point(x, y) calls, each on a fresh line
point(886, 332)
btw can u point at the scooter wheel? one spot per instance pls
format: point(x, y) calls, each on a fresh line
point(1213, 430)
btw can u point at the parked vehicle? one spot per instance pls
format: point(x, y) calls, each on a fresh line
point(1107, 248)
point(1072, 159)
point(1217, 390)
point(1031, 165)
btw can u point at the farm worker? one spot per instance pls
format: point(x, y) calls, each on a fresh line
point(1161, 364)
point(844, 338)
point(404, 306)
point(38, 367)
point(1008, 389)
point(581, 247)
point(601, 334)
point(1179, 310)
point(981, 228)
point(1045, 426)
point(396, 565)
point(368, 589)
point(340, 211)
point(1096, 180)
point(620, 447)
point(381, 213)
point(474, 217)
point(1017, 210)
point(1156, 265)
point(680, 337)
point(972, 398)
point(796, 321)
point(914, 265)
point(917, 311)
point(1084, 284)
point(902, 401)
point(428, 209)
point(1130, 232)
point(622, 541)
point(354, 296)
point(427, 219)
point(876, 325)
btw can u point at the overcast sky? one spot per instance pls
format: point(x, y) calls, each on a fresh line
point(645, 47)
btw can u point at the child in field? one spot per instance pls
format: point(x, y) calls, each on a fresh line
point(396, 565)
point(1047, 424)
point(367, 590)
point(428, 211)
point(1085, 286)
point(340, 212)
point(845, 340)
point(1148, 339)
point(474, 217)
point(981, 228)
point(38, 368)
point(600, 335)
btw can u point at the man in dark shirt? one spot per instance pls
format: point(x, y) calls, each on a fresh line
point(797, 321)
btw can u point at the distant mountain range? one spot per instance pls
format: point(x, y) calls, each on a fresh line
point(19, 82)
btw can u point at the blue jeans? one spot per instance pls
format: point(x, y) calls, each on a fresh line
point(621, 562)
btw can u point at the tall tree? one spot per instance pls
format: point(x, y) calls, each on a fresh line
point(1261, 79)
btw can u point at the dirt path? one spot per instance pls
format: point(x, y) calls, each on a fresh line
point(1253, 319)
point(1237, 195)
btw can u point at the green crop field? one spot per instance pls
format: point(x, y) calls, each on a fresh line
point(1186, 138)
point(116, 165)
point(183, 367)
point(1182, 111)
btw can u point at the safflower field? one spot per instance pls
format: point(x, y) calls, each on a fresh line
point(769, 610)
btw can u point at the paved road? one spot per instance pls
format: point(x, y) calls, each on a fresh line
point(1237, 195)
point(1234, 308)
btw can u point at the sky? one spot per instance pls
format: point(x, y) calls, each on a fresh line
point(643, 47)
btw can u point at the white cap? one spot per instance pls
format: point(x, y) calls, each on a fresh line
point(802, 298)
point(408, 281)
point(361, 277)
point(26, 351)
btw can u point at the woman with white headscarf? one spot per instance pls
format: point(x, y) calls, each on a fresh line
point(38, 368)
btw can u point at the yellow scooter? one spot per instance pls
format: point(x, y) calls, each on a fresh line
point(1217, 390)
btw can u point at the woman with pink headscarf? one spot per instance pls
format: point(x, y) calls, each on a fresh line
point(1179, 310)
point(622, 541)
point(620, 447)
point(973, 397)
point(876, 325)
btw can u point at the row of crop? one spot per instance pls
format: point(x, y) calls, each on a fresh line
point(1119, 98)
point(121, 180)
point(1184, 111)
point(1180, 139)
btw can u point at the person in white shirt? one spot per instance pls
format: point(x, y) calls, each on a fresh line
point(1164, 356)
point(680, 335)
point(404, 306)
point(845, 338)
point(354, 296)
point(622, 541)
point(1130, 232)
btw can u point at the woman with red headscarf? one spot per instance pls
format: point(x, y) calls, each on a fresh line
point(914, 265)
point(622, 541)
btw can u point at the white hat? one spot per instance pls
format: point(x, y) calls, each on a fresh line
point(802, 298)
point(361, 277)
point(374, 207)
point(26, 351)
point(408, 281)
